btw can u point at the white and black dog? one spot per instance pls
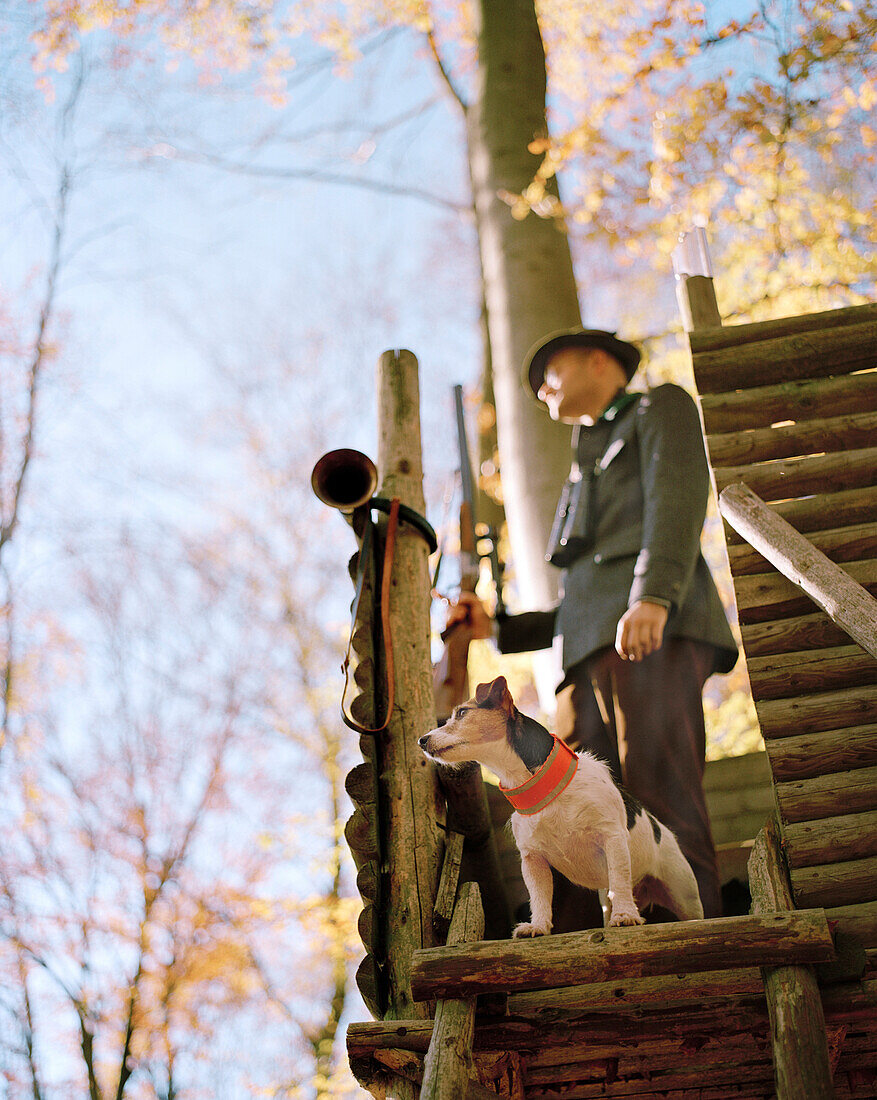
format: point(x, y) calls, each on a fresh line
point(570, 814)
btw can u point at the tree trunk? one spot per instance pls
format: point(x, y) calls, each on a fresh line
point(529, 284)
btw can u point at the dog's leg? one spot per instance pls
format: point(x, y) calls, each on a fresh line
point(540, 886)
point(624, 910)
point(680, 883)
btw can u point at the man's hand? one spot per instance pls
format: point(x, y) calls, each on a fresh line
point(640, 630)
point(470, 610)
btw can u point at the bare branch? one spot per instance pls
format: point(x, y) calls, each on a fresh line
point(443, 72)
point(316, 175)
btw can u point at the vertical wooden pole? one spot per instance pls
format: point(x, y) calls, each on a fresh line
point(448, 1068)
point(410, 798)
point(802, 1068)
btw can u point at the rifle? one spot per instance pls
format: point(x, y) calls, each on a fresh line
point(450, 677)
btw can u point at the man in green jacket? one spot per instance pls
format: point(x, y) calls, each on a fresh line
point(642, 624)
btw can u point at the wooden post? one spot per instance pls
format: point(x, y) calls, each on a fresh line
point(448, 1066)
point(696, 297)
point(829, 586)
point(469, 814)
point(802, 1068)
point(409, 792)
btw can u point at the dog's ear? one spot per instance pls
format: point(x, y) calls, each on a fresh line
point(496, 695)
point(482, 692)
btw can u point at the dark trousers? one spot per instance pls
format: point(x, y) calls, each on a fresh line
point(645, 719)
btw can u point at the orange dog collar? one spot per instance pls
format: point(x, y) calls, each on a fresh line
point(550, 780)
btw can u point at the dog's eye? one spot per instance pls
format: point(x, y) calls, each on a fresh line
point(461, 711)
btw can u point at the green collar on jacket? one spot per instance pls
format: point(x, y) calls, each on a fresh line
point(617, 405)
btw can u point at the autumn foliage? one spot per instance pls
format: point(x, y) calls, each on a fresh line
point(153, 910)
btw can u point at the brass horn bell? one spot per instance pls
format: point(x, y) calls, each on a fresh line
point(344, 479)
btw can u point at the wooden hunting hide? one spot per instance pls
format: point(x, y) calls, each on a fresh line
point(781, 1002)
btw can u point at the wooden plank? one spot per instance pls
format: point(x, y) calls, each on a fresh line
point(812, 354)
point(857, 542)
point(785, 478)
point(642, 1074)
point(766, 596)
point(730, 1081)
point(831, 710)
point(838, 433)
point(762, 406)
point(448, 1068)
point(802, 1068)
point(731, 336)
point(446, 894)
point(670, 991)
point(610, 953)
point(822, 511)
point(831, 840)
point(823, 795)
point(848, 883)
point(811, 671)
point(813, 631)
point(859, 921)
point(829, 586)
point(801, 756)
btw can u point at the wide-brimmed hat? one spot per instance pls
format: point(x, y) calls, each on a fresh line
point(628, 355)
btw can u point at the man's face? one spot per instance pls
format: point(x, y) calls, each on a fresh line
point(568, 389)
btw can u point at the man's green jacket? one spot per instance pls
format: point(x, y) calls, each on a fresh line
point(649, 485)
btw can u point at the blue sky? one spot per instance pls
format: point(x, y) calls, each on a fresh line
point(183, 256)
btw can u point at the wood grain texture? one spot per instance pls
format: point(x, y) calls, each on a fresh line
point(805, 755)
point(785, 478)
point(836, 839)
point(410, 801)
point(611, 953)
point(802, 1068)
point(820, 796)
point(827, 434)
point(829, 586)
point(814, 353)
point(810, 672)
point(448, 1067)
point(826, 321)
point(829, 710)
point(849, 883)
point(762, 406)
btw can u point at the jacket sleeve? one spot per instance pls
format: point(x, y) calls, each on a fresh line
point(526, 632)
point(676, 482)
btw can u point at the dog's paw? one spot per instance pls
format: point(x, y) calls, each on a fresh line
point(625, 918)
point(523, 931)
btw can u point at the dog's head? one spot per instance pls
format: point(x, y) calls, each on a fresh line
point(488, 721)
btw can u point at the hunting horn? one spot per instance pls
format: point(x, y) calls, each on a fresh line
point(344, 479)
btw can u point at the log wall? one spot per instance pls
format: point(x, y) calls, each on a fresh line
point(790, 410)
